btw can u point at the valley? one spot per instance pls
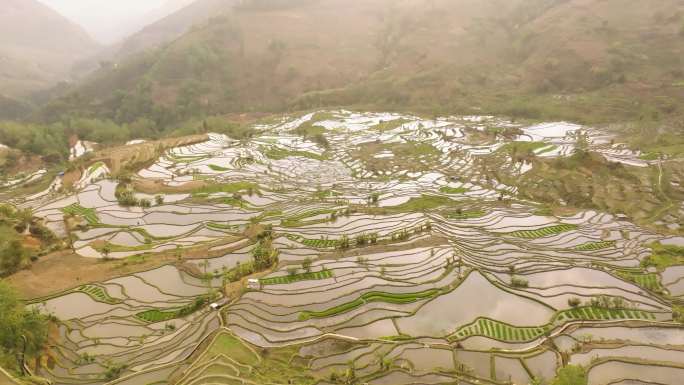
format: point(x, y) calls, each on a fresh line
point(355, 247)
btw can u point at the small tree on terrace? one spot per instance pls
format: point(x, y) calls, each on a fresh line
point(307, 264)
point(105, 252)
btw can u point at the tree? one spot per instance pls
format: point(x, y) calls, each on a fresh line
point(307, 264)
point(581, 145)
point(16, 320)
point(574, 302)
point(159, 199)
point(11, 256)
point(571, 375)
point(105, 251)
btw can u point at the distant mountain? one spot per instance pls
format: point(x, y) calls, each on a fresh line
point(584, 60)
point(37, 49)
point(171, 21)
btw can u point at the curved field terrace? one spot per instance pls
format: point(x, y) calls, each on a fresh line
point(345, 247)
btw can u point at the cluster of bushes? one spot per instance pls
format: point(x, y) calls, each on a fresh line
point(264, 256)
point(366, 239)
point(13, 223)
point(126, 197)
point(51, 141)
point(21, 329)
point(518, 282)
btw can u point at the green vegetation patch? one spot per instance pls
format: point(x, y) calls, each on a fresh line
point(310, 276)
point(602, 314)
point(186, 158)
point(98, 294)
point(591, 246)
point(156, 315)
point(95, 167)
point(453, 190)
point(543, 232)
point(214, 167)
point(88, 214)
point(663, 256)
point(232, 347)
point(414, 149)
point(228, 188)
point(389, 125)
point(499, 331)
point(465, 214)
point(219, 226)
point(315, 243)
point(522, 147)
point(650, 281)
point(424, 203)
point(373, 296)
point(505, 332)
point(571, 375)
point(275, 365)
point(277, 153)
point(299, 220)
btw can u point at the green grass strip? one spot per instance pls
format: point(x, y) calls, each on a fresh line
point(470, 214)
point(544, 231)
point(373, 296)
point(228, 188)
point(217, 168)
point(453, 190)
point(591, 246)
point(276, 153)
point(98, 294)
point(311, 276)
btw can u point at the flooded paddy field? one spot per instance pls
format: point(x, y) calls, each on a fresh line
point(398, 262)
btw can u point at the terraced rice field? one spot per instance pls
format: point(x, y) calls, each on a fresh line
point(401, 265)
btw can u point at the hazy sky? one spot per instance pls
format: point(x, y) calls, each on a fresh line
point(105, 20)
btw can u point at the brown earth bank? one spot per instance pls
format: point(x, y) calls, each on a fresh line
point(65, 270)
point(136, 155)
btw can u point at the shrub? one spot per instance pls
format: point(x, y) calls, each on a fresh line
point(574, 302)
point(518, 282)
point(307, 264)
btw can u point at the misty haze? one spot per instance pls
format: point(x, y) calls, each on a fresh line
point(321, 192)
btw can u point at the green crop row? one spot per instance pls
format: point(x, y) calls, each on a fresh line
point(373, 296)
point(596, 313)
point(157, 315)
point(591, 246)
point(320, 243)
point(650, 281)
point(98, 294)
point(499, 331)
point(543, 232)
point(505, 332)
point(218, 168)
point(87, 214)
point(297, 277)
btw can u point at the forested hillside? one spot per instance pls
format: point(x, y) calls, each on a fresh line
point(584, 60)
